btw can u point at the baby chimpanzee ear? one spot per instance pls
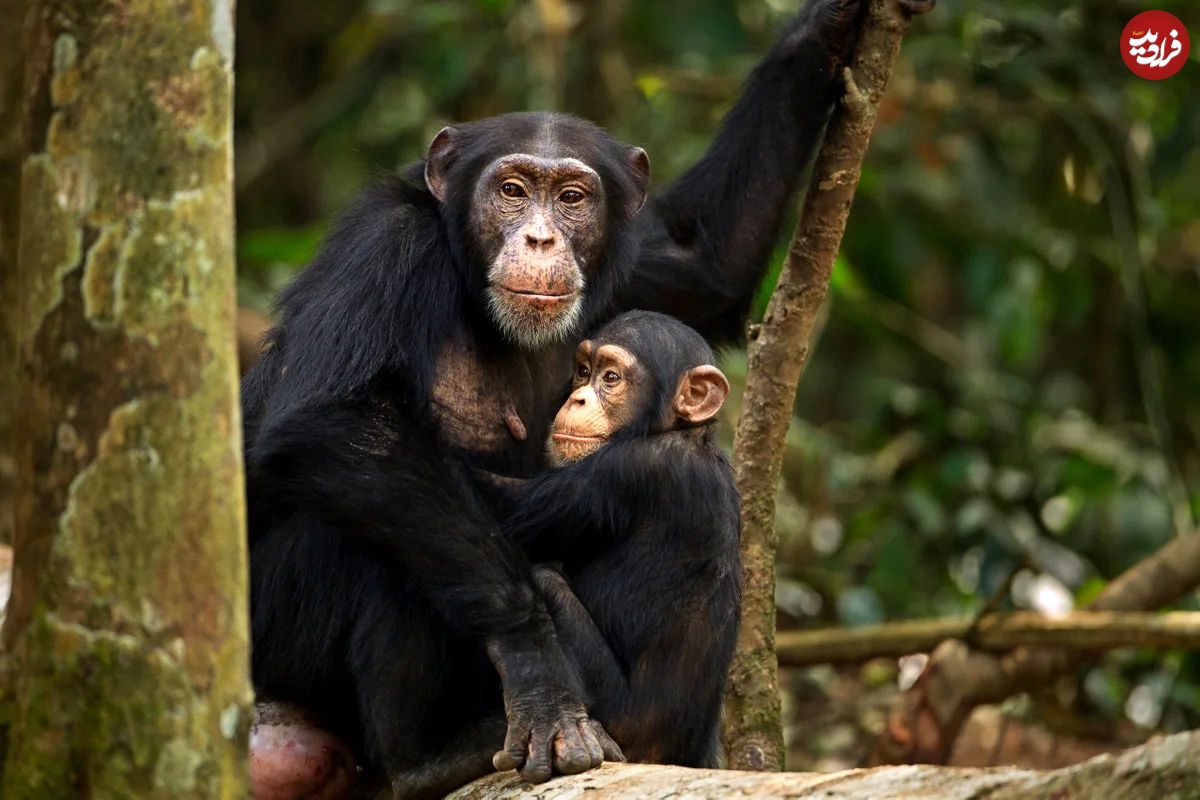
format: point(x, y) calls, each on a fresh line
point(639, 168)
point(702, 392)
point(441, 154)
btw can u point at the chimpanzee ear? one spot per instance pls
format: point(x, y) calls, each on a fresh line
point(639, 167)
point(702, 392)
point(442, 151)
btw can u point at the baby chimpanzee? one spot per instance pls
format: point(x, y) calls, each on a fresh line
point(643, 516)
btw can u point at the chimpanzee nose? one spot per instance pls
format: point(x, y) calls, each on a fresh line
point(539, 238)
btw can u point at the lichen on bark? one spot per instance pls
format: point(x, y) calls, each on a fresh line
point(128, 622)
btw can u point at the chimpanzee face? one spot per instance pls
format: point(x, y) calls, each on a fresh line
point(613, 388)
point(540, 223)
point(609, 389)
point(537, 199)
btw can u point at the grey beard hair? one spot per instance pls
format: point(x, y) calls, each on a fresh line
point(552, 456)
point(517, 330)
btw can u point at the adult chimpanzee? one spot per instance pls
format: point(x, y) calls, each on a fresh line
point(644, 518)
point(432, 336)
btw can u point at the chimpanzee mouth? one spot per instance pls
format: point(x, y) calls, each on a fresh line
point(571, 437)
point(534, 319)
point(541, 296)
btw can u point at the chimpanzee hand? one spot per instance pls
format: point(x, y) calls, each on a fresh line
point(550, 732)
point(833, 24)
point(548, 727)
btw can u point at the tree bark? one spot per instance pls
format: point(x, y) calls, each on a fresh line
point(128, 621)
point(12, 73)
point(777, 352)
point(1163, 768)
point(926, 720)
point(11, 151)
point(1082, 630)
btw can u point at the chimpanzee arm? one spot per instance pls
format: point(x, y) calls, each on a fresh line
point(586, 503)
point(383, 479)
point(707, 239)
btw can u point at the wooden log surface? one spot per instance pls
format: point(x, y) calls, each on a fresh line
point(1163, 769)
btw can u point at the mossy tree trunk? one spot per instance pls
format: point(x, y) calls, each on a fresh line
point(128, 622)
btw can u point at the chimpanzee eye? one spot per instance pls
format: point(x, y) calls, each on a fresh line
point(582, 371)
point(510, 189)
point(571, 197)
point(611, 378)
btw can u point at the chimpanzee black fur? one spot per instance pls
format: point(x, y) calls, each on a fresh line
point(379, 580)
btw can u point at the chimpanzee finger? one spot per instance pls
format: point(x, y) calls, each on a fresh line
point(591, 744)
point(538, 759)
point(612, 752)
point(513, 754)
point(571, 755)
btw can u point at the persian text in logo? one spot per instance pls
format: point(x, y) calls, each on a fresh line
point(1155, 45)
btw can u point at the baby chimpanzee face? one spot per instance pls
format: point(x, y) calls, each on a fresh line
point(607, 392)
point(613, 387)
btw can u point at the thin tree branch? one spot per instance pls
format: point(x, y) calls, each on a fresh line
point(777, 352)
point(1082, 630)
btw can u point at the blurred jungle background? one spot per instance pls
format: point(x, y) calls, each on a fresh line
point(1003, 394)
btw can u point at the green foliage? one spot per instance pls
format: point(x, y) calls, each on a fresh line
point(1008, 375)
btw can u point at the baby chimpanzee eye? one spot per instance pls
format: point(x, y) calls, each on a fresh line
point(510, 189)
point(611, 378)
point(582, 371)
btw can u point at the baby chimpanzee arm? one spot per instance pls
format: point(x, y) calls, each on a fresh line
point(589, 502)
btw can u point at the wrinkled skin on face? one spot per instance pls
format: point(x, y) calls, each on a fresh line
point(540, 222)
point(612, 389)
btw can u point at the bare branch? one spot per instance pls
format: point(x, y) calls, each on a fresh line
point(1082, 630)
point(777, 352)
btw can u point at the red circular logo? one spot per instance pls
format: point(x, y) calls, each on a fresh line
point(1155, 45)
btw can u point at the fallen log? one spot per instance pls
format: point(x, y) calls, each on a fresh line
point(1163, 768)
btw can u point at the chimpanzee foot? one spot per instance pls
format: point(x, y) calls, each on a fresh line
point(292, 759)
point(915, 7)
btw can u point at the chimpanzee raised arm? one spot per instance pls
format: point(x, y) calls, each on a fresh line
point(707, 238)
